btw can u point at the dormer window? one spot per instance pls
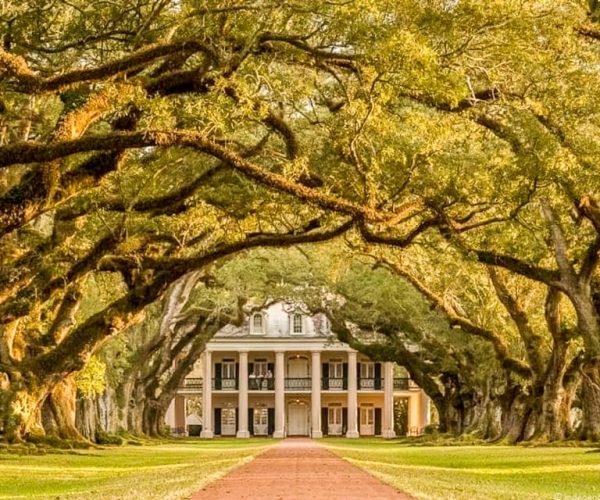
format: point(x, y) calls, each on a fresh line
point(257, 324)
point(297, 324)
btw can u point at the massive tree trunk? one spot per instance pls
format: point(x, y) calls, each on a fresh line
point(486, 414)
point(86, 418)
point(102, 413)
point(153, 418)
point(20, 412)
point(559, 390)
point(59, 411)
point(518, 414)
point(572, 383)
point(590, 395)
point(555, 402)
point(574, 281)
point(578, 287)
point(552, 425)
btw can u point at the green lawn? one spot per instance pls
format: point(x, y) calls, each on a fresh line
point(175, 469)
point(473, 472)
point(162, 471)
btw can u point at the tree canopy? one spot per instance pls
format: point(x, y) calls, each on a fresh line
point(450, 145)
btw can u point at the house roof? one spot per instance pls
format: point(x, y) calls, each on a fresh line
point(276, 324)
point(233, 331)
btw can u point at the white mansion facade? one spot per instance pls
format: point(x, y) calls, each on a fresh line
point(284, 374)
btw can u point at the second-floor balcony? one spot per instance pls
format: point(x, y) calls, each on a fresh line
point(370, 384)
point(225, 384)
point(261, 384)
point(191, 383)
point(334, 383)
point(299, 384)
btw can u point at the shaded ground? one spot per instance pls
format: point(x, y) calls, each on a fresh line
point(298, 469)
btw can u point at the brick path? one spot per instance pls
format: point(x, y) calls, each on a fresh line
point(298, 469)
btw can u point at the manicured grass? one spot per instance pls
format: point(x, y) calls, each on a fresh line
point(477, 472)
point(173, 469)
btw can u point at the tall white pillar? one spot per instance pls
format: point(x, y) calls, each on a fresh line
point(315, 400)
point(170, 415)
point(279, 431)
point(425, 404)
point(207, 409)
point(180, 416)
point(414, 414)
point(352, 397)
point(388, 401)
point(243, 397)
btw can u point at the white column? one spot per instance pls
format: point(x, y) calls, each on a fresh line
point(207, 409)
point(388, 401)
point(180, 415)
point(170, 415)
point(425, 416)
point(414, 414)
point(315, 400)
point(352, 397)
point(243, 397)
point(279, 431)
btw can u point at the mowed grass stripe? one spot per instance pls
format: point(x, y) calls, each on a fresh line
point(470, 470)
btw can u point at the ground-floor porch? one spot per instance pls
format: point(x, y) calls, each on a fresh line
point(332, 418)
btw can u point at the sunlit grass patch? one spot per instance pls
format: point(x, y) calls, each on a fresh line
point(473, 472)
point(169, 470)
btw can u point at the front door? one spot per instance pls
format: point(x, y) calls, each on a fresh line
point(367, 421)
point(297, 420)
point(261, 421)
point(334, 421)
point(228, 422)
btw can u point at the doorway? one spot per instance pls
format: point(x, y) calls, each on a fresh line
point(228, 426)
point(297, 420)
point(261, 422)
point(367, 421)
point(334, 421)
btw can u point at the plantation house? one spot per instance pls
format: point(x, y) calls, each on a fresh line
point(283, 373)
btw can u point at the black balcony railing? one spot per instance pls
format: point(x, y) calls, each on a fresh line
point(334, 384)
point(298, 384)
point(191, 383)
point(261, 384)
point(225, 384)
point(370, 384)
point(303, 384)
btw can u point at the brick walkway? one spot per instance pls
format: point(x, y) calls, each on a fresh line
point(298, 469)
